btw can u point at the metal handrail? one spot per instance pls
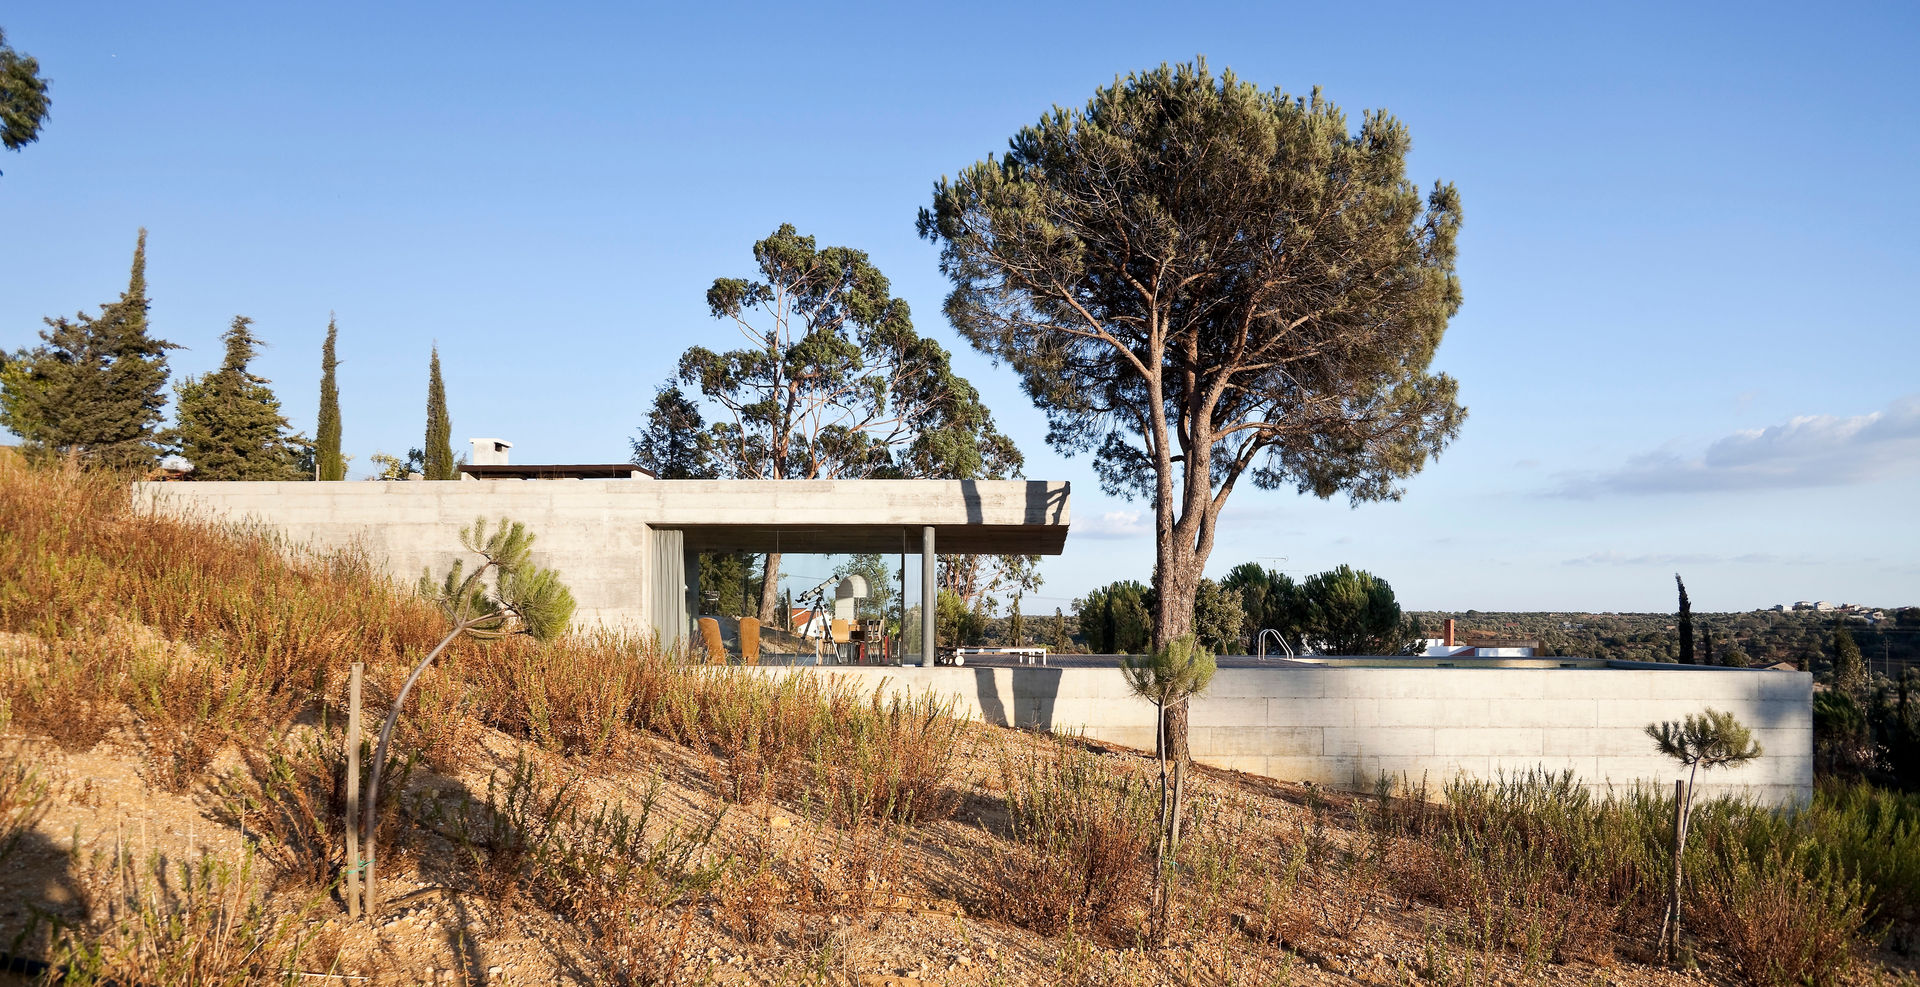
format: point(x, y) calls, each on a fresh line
point(1260, 641)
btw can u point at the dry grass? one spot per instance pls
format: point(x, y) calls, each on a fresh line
point(1082, 838)
point(23, 803)
point(187, 638)
point(161, 923)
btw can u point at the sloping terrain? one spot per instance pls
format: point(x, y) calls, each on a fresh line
point(592, 810)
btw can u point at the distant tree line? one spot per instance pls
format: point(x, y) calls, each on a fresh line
point(1754, 638)
point(1342, 611)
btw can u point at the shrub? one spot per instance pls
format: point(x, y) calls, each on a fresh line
point(1083, 840)
point(1783, 920)
point(71, 691)
point(624, 883)
point(197, 923)
point(290, 796)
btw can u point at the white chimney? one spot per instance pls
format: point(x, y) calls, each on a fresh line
point(489, 452)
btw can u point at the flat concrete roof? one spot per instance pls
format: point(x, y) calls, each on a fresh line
point(974, 517)
point(988, 517)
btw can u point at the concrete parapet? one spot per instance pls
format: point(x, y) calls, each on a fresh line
point(1343, 727)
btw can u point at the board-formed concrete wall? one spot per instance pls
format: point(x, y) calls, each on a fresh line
point(599, 546)
point(598, 533)
point(1344, 727)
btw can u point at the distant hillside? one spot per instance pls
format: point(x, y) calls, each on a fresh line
point(1765, 636)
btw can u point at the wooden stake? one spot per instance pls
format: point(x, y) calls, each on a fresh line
point(1670, 926)
point(353, 793)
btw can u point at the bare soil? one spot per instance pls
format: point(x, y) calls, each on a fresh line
point(917, 923)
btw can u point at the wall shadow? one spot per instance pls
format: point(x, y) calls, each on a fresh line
point(1029, 703)
point(39, 890)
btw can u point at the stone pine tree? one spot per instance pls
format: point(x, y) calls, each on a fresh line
point(23, 97)
point(1849, 666)
point(1685, 622)
point(1351, 611)
point(230, 425)
point(1204, 283)
point(96, 385)
point(332, 465)
point(437, 455)
point(832, 382)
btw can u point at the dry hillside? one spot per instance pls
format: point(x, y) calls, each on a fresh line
point(593, 810)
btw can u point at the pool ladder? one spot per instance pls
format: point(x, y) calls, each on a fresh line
point(1261, 641)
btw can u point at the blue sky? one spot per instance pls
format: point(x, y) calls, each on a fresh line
point(1688, 342)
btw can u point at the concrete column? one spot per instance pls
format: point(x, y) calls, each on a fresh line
point(929, 595)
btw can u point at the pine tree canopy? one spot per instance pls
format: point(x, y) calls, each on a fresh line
point(230, 422)
point(327, 433)
point(1203, 282)
point(438, 454)
point(23, 97)
point(96, 385)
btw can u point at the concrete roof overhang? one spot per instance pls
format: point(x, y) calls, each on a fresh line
point(973, 517)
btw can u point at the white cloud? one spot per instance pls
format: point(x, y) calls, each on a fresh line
point(1809, 451)
point(1114, 524)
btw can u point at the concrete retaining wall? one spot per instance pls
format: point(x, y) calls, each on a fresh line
point(1343, 727)
point(597, 533)
point(580, 528)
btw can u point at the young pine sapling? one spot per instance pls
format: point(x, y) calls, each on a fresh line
point(1711, 740)
point(524, 599)
point(1168, 678)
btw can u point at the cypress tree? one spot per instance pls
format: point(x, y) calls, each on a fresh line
point(327, 433)
point(96, 385)
point(1686, 623)
point(1059, 638)
point(230, 422)
point(439, 448)
point(1849, 667)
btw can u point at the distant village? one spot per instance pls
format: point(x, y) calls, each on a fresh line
point(1867, 614)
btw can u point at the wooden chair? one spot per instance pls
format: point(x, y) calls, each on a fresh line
point(710, 636)
point(749, 641)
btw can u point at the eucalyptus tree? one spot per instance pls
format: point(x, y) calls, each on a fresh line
point(832, 382)
point(1205, 283)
